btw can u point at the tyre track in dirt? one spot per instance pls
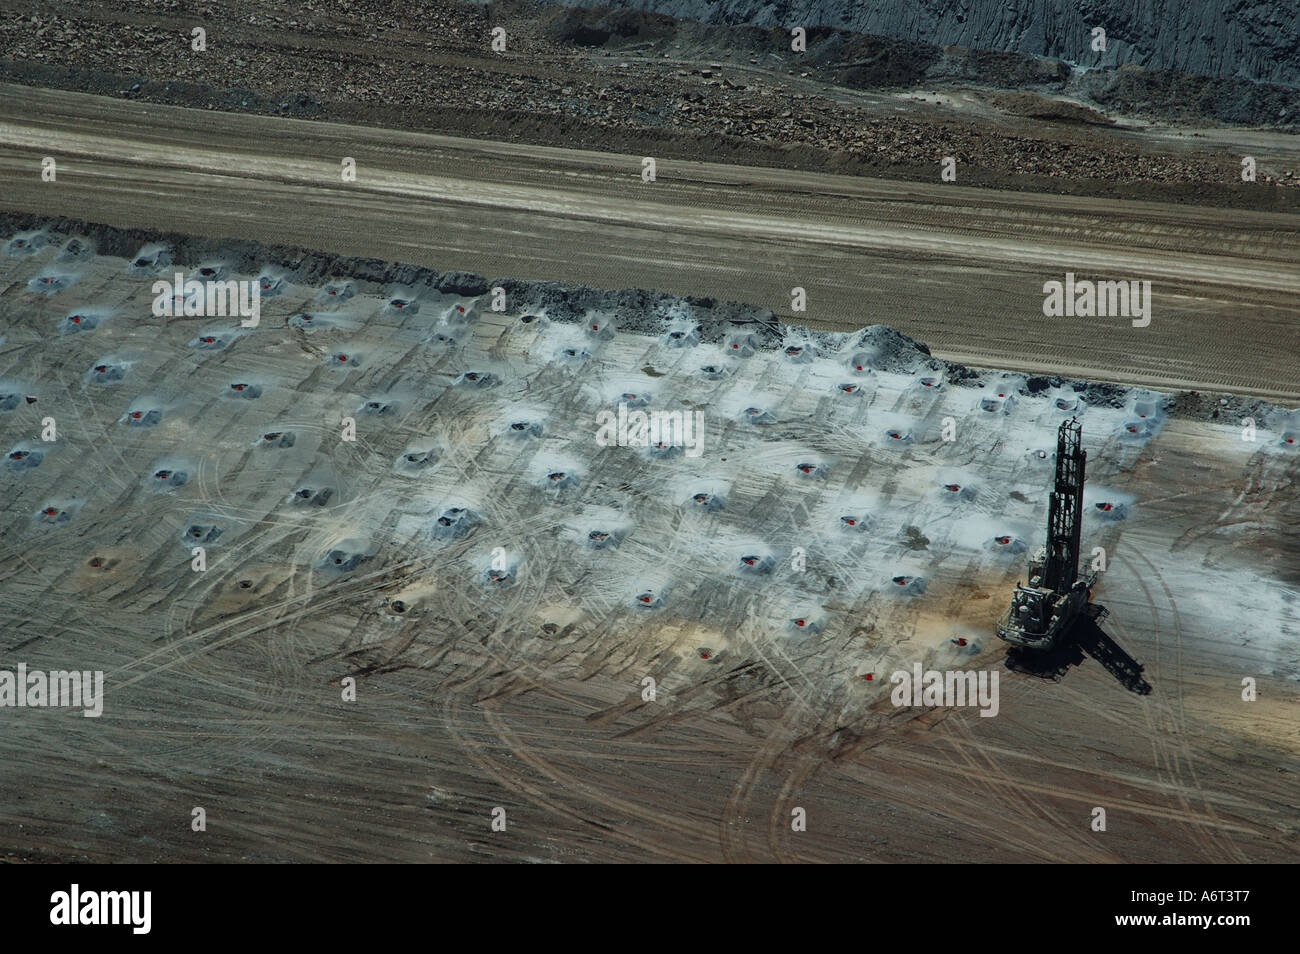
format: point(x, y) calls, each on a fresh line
point(1226, 848)
point(961, 269)
point(1161, 722)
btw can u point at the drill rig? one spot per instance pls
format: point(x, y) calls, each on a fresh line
point(1045, 609)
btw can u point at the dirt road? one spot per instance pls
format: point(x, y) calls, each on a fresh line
point(960, 269)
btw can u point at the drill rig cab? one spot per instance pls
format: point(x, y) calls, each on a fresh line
point(1045, 609)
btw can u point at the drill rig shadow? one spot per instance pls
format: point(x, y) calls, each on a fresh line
point(1052, 622)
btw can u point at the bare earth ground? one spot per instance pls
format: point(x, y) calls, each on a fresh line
point(961, 269)
point(666, 89)
point(226, 696)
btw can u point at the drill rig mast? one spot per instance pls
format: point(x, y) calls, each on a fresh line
point(1042, 611)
